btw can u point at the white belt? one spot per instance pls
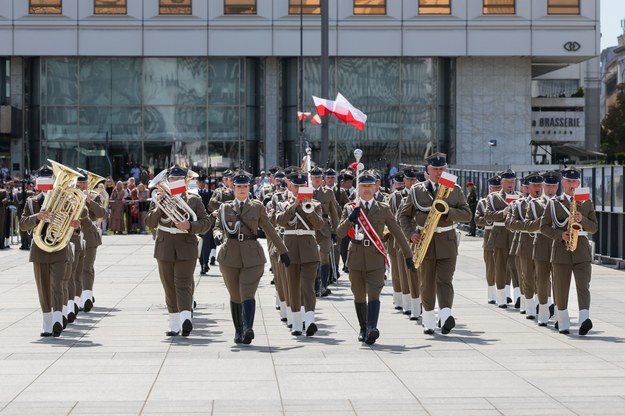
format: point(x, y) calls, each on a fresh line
point(299, 232)
point(499, 224)
point(171, 230)
point(582, 234)
point(439, 229)
point(488, 227)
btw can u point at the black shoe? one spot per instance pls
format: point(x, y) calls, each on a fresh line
point(345, 269)
point(492, 302)
point(212, 262)
point(585, 327)
point(414, 318)
point(45, 334)
point(362, 334)
point(532, 317)
point(542, 324)
point(194, 304)
point(71, 317)
point(311, 330)
point(471, 235)
point(372, 335)
point(564, 332)
point(428, 331)
point(57, 329)
point(508, 299)
point(398, 308)
point(238, 337)
point(64, 322)
point(202, 272)
point(283, 319)
point(449, 324)
point(172, 333)
point(76, 309)
point(552, 310)
point(517, 303)
point(405, 312)
point(187, 327)
point(88, 305)
point(296, 333)
point(248, 336)
point(522, 312)
point(272, 282)
point(326, 292)
point(504, 306)
point(556, 326)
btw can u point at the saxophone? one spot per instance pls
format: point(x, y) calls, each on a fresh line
point(573, 227)
point(63, 204)
point(439, 208)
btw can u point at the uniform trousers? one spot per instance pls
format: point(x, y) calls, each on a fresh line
point(88, 271)
point(403, 272)
point(177, 280)
point(436, 282)
point(392, 257)
point(543, 280)
point(242, 282)
point(207, 246)
point(414, 282)
point(503, 263)
point(366, 284)
point(489, 261)
point(529, 277)
point(49, 279)
point(277, 277)
point(325, 245)
point(519, 274)
point(301, 285)
point(562, 284)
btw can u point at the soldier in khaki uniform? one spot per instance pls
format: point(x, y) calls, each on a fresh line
point(300, 228)
point(541, 253)
point(279, 271)
point(500, 238)
point(394, 200)
point(367, 255)
point(49, 268)
point(327, 234)
point(241, 259)
point(554, 224)
point(439, 264)
point(516, 236)
point(494, 185)
point(329, 180)
point(175, 251)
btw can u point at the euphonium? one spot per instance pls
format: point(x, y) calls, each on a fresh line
point(308, 207)
point(439, 208)
point(573, 227)
point(174, 208)
point(63, 205)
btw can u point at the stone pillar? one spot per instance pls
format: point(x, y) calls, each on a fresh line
point(592, 95)
point(272, 111)
point(17, 102)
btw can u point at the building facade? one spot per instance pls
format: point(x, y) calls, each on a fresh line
point(104, 84)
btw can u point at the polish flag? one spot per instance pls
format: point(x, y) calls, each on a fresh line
point(302, 116)
point(582, 194)
point(305, 192)
point(511, 197)
point(448, 180)
point(44, 184)
point(349, 114)
point(316, 119)
point(177, 187)
point(324, 107)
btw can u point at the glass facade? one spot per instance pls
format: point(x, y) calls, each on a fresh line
point(105, 114)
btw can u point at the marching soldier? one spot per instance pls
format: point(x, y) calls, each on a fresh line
point(542, 246)
point(175, 250)
point(363, 222)
point(93, 240)
point(241, 259)
point(439, 263)
point(208, 243)
point(494, 185)
point(500, 239)
point(329, 179)
point(567, 258)
point(49, 268)
point(22, 196)
point(301, 224)
point(393, 200)
point(277, 267)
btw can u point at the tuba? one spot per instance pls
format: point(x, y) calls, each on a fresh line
point(439, 208)
point(573, 227)
point(174, 208)
point(63, 204)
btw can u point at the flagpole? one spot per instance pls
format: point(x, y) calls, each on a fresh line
point(325, 75)
point(301, 76)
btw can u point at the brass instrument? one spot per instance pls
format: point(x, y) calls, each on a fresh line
point(174, 208)
point(439, 208)
point(93, 180)
point(573, 227)
point(63, 205)
point(307, 206)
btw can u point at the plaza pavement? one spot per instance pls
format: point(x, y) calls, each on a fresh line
point(116, 359)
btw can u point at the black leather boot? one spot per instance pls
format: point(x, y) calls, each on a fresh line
point(373, 311)
point(249, 309)
point(361, 313)
point(236, 310)
point(324, 272)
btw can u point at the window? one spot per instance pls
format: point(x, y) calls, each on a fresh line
point(110, 7)
point(563, 7)
point(369, 6)
point(174, 7)
point(5, 81)
point(44, 7)
point(239, 6)
point(307, 6)
point(434, 6)
point(499, 7)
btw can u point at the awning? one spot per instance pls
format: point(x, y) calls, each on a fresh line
point(572, 150)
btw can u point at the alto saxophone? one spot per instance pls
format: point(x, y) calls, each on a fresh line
point(439, 208)
point(573, 227)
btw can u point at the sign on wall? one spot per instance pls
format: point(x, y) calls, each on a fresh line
point(558, 126)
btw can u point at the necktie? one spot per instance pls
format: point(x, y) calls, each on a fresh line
point(241, 206)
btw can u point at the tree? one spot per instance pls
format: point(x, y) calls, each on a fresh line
point(613, 130)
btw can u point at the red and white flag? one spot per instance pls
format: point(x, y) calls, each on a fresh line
point(349, 114)
point(448, 180)
point(302, 115)
point(316, 119)
point(511, 197)
point(324, 107)
point(177, 187)
point(44, 184)
point(582, 194)
point(305, 192)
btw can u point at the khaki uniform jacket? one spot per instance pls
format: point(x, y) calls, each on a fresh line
point(368, 258)
point(542, 243)
point(90, 230)
point(277, 198)
point(443, 245)
point(516, 222)
point(394, 200)
point(500, 236)
point(220, 196)
point(480, 221)
point(28, 222)
point(183, 246)
point(249, 252)
point(329, 210)
point(556, 209)
point(302, 248)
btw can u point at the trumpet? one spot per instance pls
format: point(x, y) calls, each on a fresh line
point(174, 208)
